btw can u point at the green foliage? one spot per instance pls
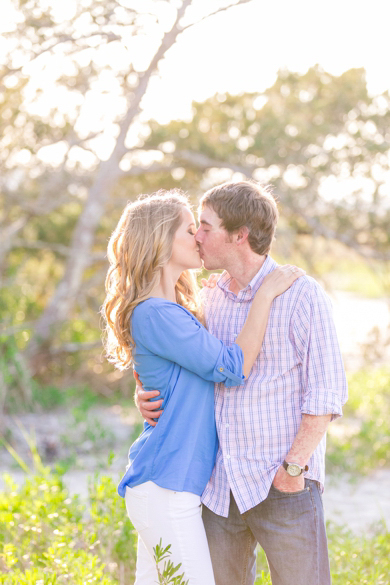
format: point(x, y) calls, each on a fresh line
point(309, 135)
point(359, 559)
point(16, 385)
point(263, 576)
point(45, 534)
point(166, 576)
point(48, 537)
point(359, 442)
point(357, 277)
point(59, 565)
point(111, 526)
point(303, 133)
point(353, 558)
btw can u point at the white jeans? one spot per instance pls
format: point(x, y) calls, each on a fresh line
point(175, 518)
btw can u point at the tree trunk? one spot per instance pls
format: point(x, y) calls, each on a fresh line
point(63, 300)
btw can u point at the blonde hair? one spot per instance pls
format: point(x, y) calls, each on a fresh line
point(137, 251)
point(245, 203)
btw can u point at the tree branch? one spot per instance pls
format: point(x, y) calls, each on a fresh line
point(62, 39)
point(153, 168)
point(45, 205)
point(74, 347)
point(202, 161)
point(39, 245)
point(328, 233)
point(168, 40)
point(218, 11)
point(8, 331)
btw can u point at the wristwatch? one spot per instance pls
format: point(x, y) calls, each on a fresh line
point(294, 469)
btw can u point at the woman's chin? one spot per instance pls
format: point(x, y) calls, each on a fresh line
point(196, 266)
point(193, 264)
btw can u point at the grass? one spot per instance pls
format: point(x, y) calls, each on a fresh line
point(47, 537)
point(354, 560)
point(50, 538)
point(360, 441)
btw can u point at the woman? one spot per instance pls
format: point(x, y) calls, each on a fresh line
point(154, 321)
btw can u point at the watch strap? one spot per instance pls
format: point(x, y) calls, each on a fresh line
point(285, 465)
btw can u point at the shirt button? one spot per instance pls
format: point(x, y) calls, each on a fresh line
point(227, 456)
point(221, 369)
point(227, 425)
point(239, 304)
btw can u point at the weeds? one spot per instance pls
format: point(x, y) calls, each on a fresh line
point(50, 538)
point(353, 559)
point(45, 534)
point(166, 576)
point(364, 442)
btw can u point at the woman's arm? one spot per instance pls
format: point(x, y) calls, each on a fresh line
point(250, 339)
point(168, 331)
point(252, 334)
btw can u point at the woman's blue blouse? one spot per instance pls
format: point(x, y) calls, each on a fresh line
point(176, 355)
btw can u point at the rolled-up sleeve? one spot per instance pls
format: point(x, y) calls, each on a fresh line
point(323, 375)
point(169, 331)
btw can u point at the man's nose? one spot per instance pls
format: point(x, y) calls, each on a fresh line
point(198, 237)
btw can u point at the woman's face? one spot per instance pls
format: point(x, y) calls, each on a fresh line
point(185, 250)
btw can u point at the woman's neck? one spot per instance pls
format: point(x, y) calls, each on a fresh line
point(166, 287)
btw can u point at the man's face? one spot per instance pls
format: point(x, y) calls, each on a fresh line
point(214, 241)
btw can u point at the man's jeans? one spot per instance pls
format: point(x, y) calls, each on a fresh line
point(290, 528)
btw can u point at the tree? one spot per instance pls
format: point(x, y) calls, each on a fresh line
point(75, 42)
point(322, 140)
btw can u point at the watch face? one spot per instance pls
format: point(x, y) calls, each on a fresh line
point(293, 470)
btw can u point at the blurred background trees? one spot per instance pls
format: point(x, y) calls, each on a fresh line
point(76, 146)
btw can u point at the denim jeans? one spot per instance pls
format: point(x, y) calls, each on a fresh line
point(290, 528)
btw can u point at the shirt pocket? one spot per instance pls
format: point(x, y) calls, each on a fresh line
point(137, 507)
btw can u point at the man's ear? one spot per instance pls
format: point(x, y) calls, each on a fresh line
point(241, 235)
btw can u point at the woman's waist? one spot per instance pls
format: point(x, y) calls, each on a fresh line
point(176, 435)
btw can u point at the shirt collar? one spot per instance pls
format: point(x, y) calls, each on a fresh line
point(247, 293)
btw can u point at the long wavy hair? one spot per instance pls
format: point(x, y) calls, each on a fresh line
point(137, 251)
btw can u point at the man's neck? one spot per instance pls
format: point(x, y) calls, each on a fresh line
point(242, 272)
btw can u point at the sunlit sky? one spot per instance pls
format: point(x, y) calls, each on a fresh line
point(242, 49)
point(238, 50)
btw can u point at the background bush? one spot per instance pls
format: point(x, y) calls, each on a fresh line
point(49, 538)
point(47, 535)
point(360, 441)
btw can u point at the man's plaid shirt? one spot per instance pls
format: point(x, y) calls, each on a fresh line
point(299, 370)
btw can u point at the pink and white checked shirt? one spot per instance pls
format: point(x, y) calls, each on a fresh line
point(299, 370)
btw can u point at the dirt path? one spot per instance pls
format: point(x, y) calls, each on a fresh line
point(361, 504)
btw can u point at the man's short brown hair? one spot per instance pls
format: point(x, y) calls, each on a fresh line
point(249, 204)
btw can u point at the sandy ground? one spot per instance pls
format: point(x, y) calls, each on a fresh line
point(357, 505)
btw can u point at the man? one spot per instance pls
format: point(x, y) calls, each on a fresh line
point(269, 474)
